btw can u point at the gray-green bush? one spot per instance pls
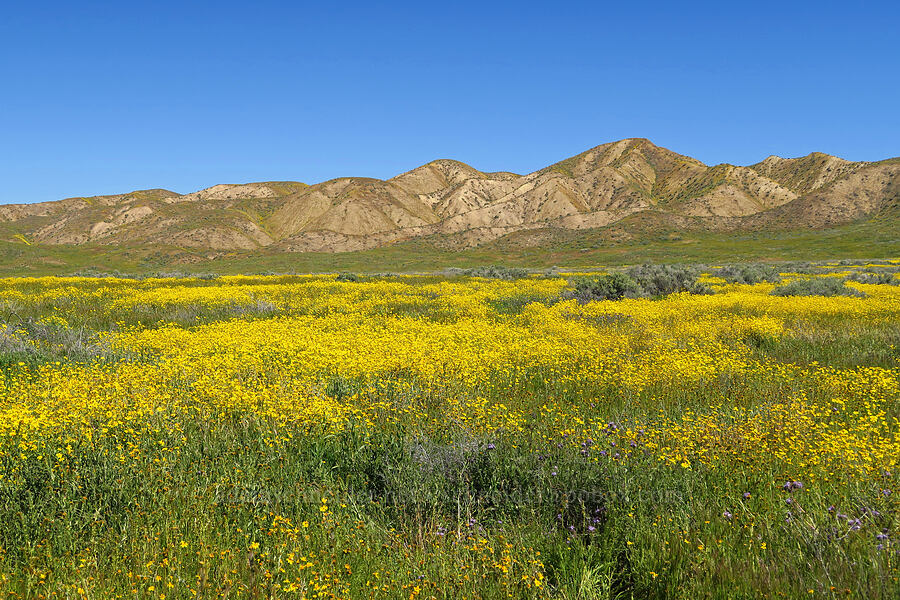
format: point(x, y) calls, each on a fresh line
point(825, 286)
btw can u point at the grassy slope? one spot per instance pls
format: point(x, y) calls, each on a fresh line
point(626, 243)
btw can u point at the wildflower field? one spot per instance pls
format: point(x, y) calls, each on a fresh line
point(449, 437)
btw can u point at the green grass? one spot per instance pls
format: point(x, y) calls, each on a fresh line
point(633, 241)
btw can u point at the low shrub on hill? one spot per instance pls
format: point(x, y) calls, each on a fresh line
point(645, 281)
point(876, 278)
point(749, 274)
point(820, 286)
point(661, 280)
point(496, 272)
point(606, 287)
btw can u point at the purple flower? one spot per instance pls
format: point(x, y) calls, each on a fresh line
point(831, 509)
point(886, 492)
point(591, 528)
point(603, 453)
point(881, 537)
point(746, 495)
point(727, 515)
point(841, 516)
point(855, 524)
point(491, 446)
point(789, 501)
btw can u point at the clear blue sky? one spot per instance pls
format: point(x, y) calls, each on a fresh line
point(102, 98)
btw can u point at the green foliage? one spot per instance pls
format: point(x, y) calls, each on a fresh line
point(495, 272)
point(645, 281)
point(818, 286)
point(348, 277)
point(606, 287)
point(661, 280)
point(874, 278)
point(749, 273)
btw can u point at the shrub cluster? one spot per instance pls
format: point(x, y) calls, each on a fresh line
point(495, 272)
point(606, 287)
point(645, 281)
point(819, 286)
point(662, 280)
point(749, 274)
point(876, 278)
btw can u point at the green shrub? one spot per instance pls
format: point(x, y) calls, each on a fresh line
point(876, 278)
point(496, 272)
point(819, 286)
point(646, 281)
point(749, 274)
point(606, 287)
point(661, 280)
point(802, 267)
point(348, 277)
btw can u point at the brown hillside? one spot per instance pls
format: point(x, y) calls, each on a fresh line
point(447, 199)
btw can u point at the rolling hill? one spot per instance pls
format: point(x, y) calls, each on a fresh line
point(620, 186)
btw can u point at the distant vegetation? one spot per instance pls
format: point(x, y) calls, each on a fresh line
point(645, 281)
point(493, 272)
point(830, 286)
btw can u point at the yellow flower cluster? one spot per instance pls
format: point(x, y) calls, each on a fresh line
point(454, 335)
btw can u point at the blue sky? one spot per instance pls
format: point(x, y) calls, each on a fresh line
point(102, 98)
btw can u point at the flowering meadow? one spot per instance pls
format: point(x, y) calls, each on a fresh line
point(447, 437)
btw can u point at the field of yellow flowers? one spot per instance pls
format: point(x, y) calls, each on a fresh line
point(445, 437)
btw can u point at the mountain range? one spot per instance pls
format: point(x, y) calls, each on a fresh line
point(460, 207)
